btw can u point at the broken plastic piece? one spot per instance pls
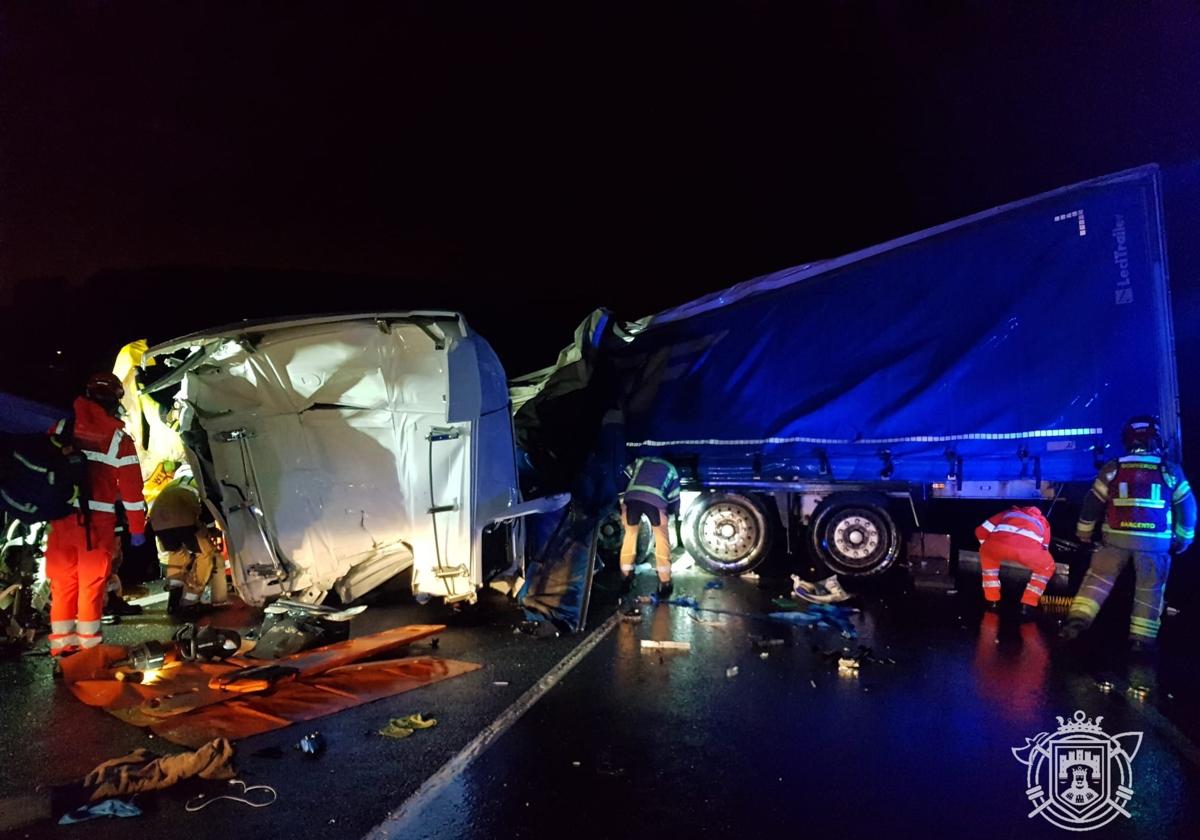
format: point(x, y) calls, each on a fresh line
point(827, 591)
point(312, 744)
point(652, 644)
point(731, 671)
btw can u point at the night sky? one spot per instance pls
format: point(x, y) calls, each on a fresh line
point(166, 167)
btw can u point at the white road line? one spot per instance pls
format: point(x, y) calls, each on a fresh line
point(394, 824)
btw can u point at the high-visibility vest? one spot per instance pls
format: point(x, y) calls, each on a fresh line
point(1139, 498)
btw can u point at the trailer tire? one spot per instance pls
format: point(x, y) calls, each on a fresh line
point(610, 534)
point(854, 535)
point(727, 533)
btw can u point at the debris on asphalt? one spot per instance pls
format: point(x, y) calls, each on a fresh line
point(731, 671)
point(653, 644)
point(681, 601)
point(500, 683)
point(1171, 612)
point(538, 629)
point(242, 795)
point(631, 615)
point(822, 616)
point(1105, 686)
point(848, 665)
point(764, 655)
point(1140, 692)
point(813, 683)
point(107, 808)
point(407, 725)
point(312, 744)
point(827, 591)
point(750, 576)
point(853, 658)
point(683, 563)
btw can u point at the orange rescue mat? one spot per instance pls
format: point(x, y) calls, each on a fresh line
point(185, 702)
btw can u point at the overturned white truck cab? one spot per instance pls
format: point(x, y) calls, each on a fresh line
point(337, 452)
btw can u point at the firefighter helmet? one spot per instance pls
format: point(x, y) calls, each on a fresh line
point(1141, 434)
point(104, 388)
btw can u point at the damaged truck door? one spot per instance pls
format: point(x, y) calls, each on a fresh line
point(338, 452)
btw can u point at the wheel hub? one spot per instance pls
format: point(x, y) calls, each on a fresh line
point(728, 532)
point(856, 537)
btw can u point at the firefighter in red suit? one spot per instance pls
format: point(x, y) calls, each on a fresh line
point(1020, 534)
point(81, 547)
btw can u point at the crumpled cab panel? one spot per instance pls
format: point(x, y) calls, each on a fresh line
point(342, 451)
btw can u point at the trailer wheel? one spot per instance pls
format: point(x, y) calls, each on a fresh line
point(854, 535)
point(727, 533)
point(609, 534)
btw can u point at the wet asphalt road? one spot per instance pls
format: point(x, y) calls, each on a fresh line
point(48, 737)
point(632, 744)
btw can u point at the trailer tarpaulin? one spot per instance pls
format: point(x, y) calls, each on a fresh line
point(1017, 340)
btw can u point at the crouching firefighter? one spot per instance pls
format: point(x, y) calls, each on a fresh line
point(1020, 534)
point(184, 546)
point(81, 546)
point(1149, 513)
point(653, 492)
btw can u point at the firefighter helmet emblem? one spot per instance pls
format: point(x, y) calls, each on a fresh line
point(1079, 777)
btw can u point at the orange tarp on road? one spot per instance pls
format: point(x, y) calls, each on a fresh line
point(180, 705)
point(307, 699)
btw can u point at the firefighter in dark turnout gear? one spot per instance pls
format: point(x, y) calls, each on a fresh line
point(1149, 513)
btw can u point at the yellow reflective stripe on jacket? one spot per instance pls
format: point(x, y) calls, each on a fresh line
point(1154, 504)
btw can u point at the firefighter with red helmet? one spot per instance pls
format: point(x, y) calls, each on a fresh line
point(1149, 513)
point(1020, 534)
point(81, 546)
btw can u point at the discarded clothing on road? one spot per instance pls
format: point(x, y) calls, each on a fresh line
point(106, 808)
point(141, 770)
point(406, 726)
